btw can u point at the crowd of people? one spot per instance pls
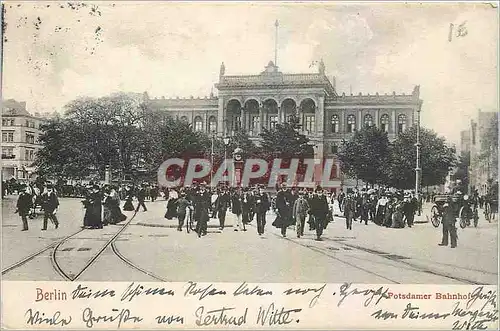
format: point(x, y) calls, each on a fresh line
point(291, 206)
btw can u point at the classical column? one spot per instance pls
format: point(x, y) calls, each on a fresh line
point(377, 118)
point(360, 119)
point(342, 125)
point(261, 118)
point(242, 118)
point(205, 119)
point(221, 128)
point(280, 115)
point(320, 118)
point(394, 127)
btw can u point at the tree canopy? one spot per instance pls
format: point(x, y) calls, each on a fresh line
point(436, 159)
point(119, 131)
point(366, 155)
point(286, 141)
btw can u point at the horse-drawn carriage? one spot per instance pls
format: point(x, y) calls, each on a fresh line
point(467, 210)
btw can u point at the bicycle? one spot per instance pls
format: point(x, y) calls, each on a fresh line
point(487, 211)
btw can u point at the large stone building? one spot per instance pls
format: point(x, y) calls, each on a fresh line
point(254, 102)
point(483, 156)
point(20, 132)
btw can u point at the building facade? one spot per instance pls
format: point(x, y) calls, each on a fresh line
point(20, 132)
point(255, 102)
point(483, 156)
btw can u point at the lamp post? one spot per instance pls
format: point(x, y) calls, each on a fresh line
point(418, 169)
point(226, 143)
point(212, 159)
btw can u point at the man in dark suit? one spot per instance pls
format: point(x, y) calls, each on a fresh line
point(319, 209)
point(24, 204)
point(221, 206)
point(262, 205)
point(50, 203)
point(450, 214)
point(203, 201)
point(141, 197)
point(284, 207)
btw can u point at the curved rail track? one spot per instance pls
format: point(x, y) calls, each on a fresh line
point(67, 277)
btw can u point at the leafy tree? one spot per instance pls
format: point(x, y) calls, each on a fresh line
point(436, 159)
point(285, 141)
point(366, 155)
point(118, 131)
point(242, 140)
point(61, 156)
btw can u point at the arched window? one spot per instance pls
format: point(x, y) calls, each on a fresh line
point(401, 123)
point(335, 123)
point(368, 120)
point(335, 148)
point(351, 123)
point(184, 119)
point(384, 123)
point(198, 124)
point(212, 124)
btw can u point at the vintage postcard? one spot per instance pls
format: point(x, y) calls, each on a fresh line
point(251, 165)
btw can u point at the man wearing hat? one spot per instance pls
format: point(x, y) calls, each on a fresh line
point(24, 204)
point(449, 219)
point(284, 219)
point(141, 197)
point(202, 204)
point(319, 209)
point(300, 210)
point(262, 205)
point(50, 203)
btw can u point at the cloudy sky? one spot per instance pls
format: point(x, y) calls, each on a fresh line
point(55, 52)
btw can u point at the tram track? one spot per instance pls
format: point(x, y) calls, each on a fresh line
point(409, 265)
point(40, 252)
point(133, 265)
point(103, 248)
point(333, 257)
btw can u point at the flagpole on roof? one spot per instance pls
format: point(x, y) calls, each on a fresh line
point(276, 24)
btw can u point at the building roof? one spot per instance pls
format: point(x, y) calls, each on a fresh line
point(272, 77)
point(207, 102)
point(14, 108)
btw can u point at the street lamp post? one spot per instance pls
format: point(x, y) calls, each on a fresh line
point(212, 160)
point(418, 169)
point(226, 143)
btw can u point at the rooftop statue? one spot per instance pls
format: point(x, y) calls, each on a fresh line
point(222, 69)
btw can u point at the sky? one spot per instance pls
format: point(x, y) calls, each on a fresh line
point(55, 52)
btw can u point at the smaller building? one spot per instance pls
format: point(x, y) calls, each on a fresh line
point(20, 133)
point(483, 155)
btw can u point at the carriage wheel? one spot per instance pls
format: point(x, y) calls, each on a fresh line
point(435, 216)
point(487, 211)
point(463, 218)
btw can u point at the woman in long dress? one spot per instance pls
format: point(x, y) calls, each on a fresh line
point(129, 196)
point(116, 213)
point(93, 205)
point(173, 197)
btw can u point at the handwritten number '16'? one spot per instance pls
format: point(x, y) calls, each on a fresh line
point(461, 30)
